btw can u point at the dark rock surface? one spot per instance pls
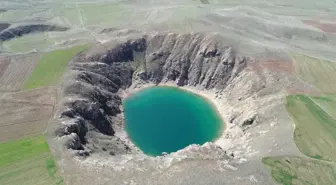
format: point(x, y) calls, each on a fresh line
point(19, 31)
point(96, 76)
point(4, 26)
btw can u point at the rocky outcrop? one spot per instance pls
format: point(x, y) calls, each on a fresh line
point(4, 26)
point(20, 31)
point(91, 101)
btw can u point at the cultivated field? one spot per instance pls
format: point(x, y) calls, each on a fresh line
point(25, 158)
point(16, 71)
point(28, 162)
point(26, 113)
point(4, 62)
point(51, 67)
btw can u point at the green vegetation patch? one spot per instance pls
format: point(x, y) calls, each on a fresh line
point(301, 171)
point(318, 72)
point(328, 104)
point(315, 131)
point(52, 66)
point(28, 161)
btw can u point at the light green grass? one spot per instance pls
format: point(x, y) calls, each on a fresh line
point(301, 171)
point(318, 72)
point(28, 161)
point(315, 131)
point(51, 67)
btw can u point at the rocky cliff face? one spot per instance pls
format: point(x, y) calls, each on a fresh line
point(90, 98)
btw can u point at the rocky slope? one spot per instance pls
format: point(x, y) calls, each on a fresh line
point(19, 31)
point(91, 94)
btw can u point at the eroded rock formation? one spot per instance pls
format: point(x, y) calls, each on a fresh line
point(19, 31)
point(4, 26)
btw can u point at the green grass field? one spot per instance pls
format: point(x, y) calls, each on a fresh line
point(51, 67)
point(328, 104)
point(28, 162)
point(289, 170)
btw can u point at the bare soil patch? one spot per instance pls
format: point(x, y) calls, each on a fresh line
point(273, 65)
point(326, 27)
point(26, 113)
point(4, 62)
point(304, 90)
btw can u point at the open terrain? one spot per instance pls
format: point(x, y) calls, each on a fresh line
point(290, 170)
point(315, 136)
point(4, 62)
point(16, 70)
point(267, 66)
point(317, 72)
point(51, 67)
point(28, 161)
point(315, 128)
point(26, 113)
point(25, 157)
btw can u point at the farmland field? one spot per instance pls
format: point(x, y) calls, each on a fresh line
point(25, 113)
point(16, 71)
point(4, 62)
point(51, 67)
point(25, 158)
point(28, 161)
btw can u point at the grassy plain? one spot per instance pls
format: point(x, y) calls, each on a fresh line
point(51, 67)
point(28, 161)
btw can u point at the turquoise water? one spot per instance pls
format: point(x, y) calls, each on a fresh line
point(166, 119)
